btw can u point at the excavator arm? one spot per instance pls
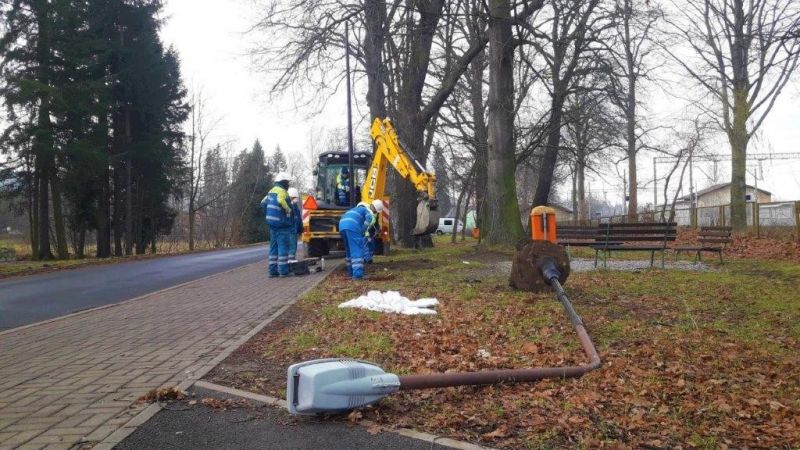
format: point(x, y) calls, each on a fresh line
point(389, 151)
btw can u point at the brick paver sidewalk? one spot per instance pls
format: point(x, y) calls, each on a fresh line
point(76, 380)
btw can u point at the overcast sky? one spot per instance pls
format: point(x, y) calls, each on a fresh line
point(210, 38)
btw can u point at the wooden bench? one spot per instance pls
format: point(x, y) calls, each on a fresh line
point(709, 239)
point(640, 237)
point(579, 235)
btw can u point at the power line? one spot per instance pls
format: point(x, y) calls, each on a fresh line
point(722, 158)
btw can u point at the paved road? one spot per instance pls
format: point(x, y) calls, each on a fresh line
point(36, 298)
point(184, 426)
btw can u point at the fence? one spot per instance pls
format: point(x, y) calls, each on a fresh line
point(762, 218)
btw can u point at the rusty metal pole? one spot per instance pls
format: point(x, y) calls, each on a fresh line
point(518, 375)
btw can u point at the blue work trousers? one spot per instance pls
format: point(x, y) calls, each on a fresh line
point(354, 253)
point(369, 249)
point(293, 247)
point(279, 244)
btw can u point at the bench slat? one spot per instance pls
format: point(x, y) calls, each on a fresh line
point(714, 240)
point(635, 231)
point(640, 224)
point(641, 238)
point(713, 233)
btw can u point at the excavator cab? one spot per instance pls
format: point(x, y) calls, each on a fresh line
point(329, 167)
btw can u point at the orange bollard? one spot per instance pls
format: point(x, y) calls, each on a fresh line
point(543, 224)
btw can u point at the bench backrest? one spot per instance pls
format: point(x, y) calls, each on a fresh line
point(651, 232)
point(714, 235)
point(579, 234)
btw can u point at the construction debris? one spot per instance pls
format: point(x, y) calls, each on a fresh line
point(392, 302)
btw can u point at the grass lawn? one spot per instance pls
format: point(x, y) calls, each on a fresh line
point(690, 359)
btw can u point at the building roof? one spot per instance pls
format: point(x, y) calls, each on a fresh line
point(717, 187)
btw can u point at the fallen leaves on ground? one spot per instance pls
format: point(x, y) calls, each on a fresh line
point(747, 246)
point(162, 395)
point(690, 360)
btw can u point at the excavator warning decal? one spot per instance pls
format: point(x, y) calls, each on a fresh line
point(373, 181)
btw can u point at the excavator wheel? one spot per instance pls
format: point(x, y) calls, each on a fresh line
point(427, 218)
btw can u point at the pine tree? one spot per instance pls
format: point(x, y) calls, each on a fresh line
point(278, 161)
point(251, 182)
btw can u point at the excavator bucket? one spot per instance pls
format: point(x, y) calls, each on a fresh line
point(427, 217)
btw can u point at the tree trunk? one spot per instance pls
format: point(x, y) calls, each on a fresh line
point(117, 216)
point(129, 237)
point(550, 157)
point(738, 186)
point(738, 135)
point(33, 213)
point(191, 222)
point(44, 214)
point(103, 214)
point(501, 217)
point(43, 144)
point(480, 140)
point(630, 115)
point(374, 38)
point(58, 218)
point(80, 246)
point(630, 118)
point(583, 213)
point(575, 193)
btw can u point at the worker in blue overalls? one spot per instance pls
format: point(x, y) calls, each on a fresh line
point(369, 239)
point(353, 226)
point(343, 187)
point(281, 222)
point(294, 195)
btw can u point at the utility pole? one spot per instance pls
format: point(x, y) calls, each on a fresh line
point(655, 186)
point(691, 178)
point(349, 116)
point(624, 193)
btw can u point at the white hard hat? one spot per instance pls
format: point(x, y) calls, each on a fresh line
point(283, 176)
point(378, 205)
point(293, 192)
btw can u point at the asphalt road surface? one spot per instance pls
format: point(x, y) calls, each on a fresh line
point(31, 299)
point(184, 426)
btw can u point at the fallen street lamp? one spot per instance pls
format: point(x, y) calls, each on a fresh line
point(341, 385)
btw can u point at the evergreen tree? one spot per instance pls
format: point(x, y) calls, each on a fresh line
point(96, 105)
point(252, 180)
point(278, 161)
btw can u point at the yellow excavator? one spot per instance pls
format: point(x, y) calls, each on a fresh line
point(321, 213)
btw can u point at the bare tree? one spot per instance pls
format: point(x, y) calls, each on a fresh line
point(397, 75)
point(630, 52)
point(744, 54)
point(201, 126)
point(564, 33)
point(590, 130)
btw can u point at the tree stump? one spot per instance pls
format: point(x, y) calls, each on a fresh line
point(525, 273)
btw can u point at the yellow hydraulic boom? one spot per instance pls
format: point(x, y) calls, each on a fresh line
point(388, 150)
